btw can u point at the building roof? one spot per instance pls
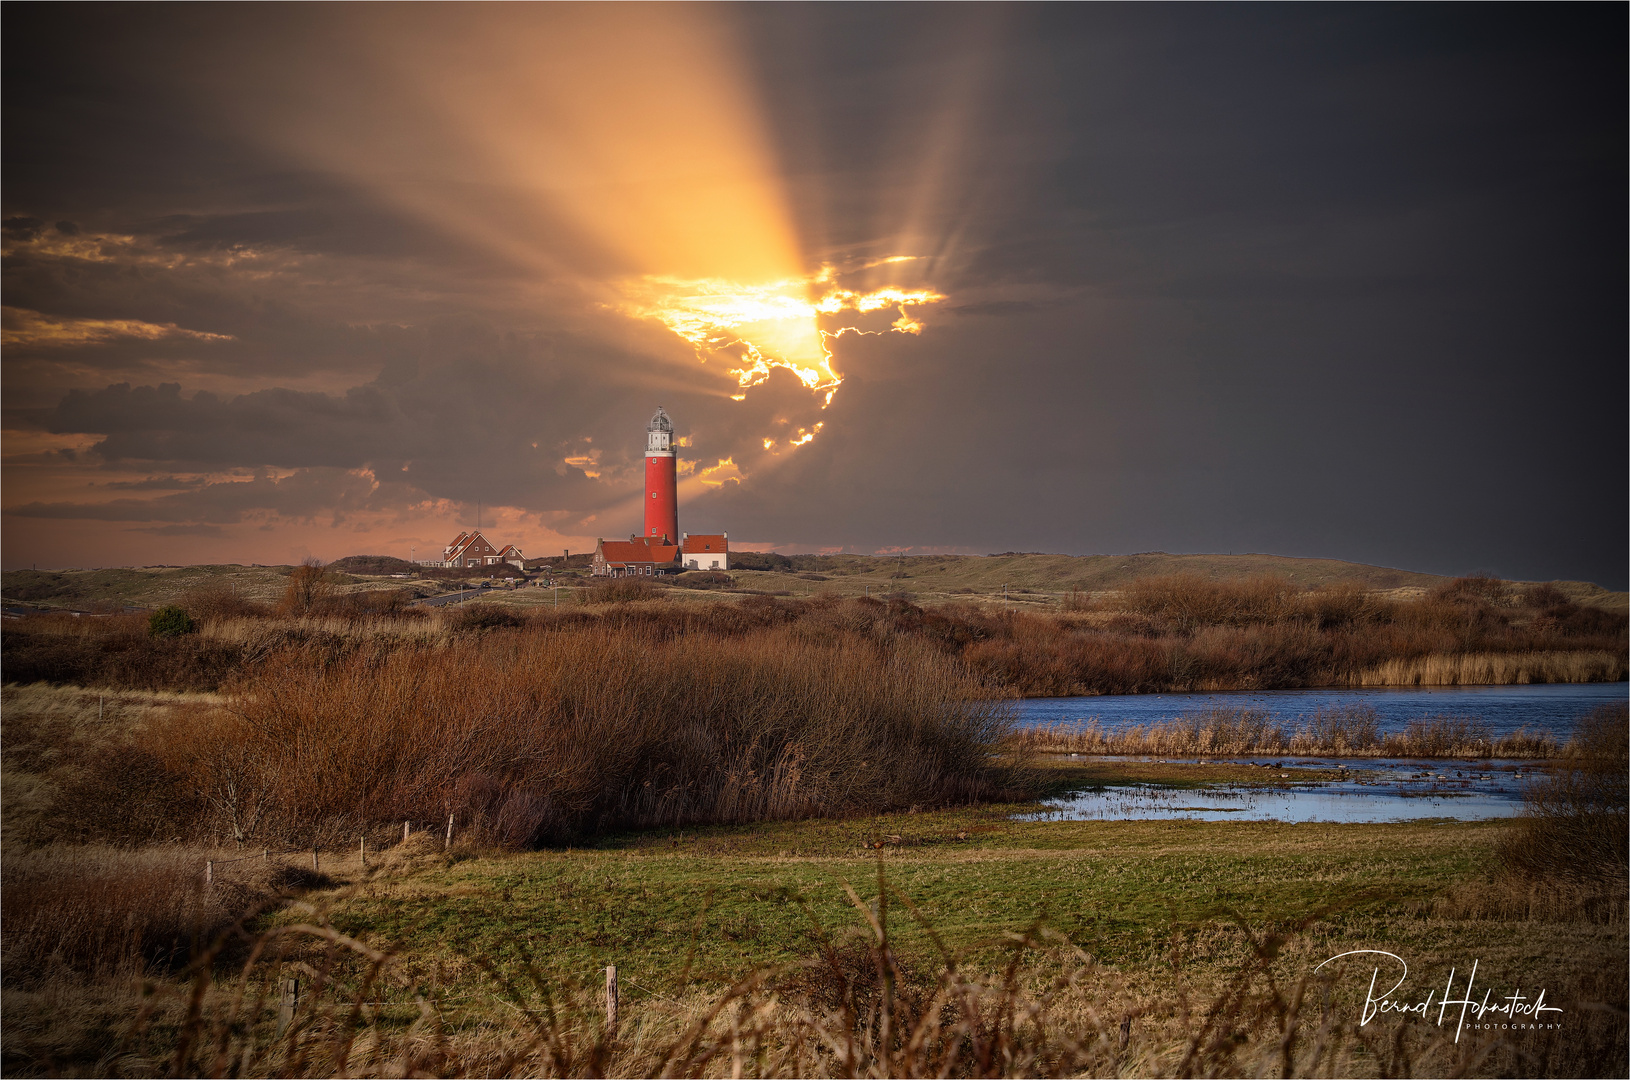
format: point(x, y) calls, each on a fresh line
point(660, 422)
point(706, 542)
point(638, 551)
point(465, 541)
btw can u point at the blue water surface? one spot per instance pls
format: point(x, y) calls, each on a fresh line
point(1553, 708)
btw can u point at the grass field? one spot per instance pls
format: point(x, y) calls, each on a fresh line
point(1161, 920)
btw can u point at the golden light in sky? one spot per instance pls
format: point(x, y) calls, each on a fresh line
point(774, 324)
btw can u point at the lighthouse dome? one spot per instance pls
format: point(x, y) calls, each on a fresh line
point(660, 422)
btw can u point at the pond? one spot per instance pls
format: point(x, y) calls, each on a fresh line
point(1388, 789)
point(1553, 708)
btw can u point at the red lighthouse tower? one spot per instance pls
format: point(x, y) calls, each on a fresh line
point(661, 482)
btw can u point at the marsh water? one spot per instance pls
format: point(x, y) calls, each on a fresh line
point(1375, 790)
point(1553, 708)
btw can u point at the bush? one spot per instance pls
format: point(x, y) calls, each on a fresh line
point(761, 560)
point(1575, 822)
point(704, 579)
point(483, 616)
point(171, 620)
point(621, 590)
point(536, 738)
point(309, 587)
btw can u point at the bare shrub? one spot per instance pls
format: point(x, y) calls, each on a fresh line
point(1188, 601)
point(309, 586)
point(483, 616)
point(538, 737)
point(1575, 824)
point(217, 600)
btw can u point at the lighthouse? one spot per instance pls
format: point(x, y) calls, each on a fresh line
point(661, 481)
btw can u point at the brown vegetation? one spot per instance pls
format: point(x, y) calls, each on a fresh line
point(1180, 633)
point(855, 1007)
point(537, 737)
point(1349, 731)
point(1577, 821)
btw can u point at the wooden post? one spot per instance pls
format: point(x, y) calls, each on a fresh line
point(448, 846)
point(285, 1007)
point(362, 847)
point(611, 1000)
point(209, 872)
point(314, 869)
point(405, 825)
point(266, 856)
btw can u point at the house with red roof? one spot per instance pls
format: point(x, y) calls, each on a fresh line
point(705, 551)
point(471, 550)
point(637, 556)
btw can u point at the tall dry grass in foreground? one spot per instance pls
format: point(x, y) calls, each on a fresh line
point(538, 737)
point(856, 1007)
point(101, 911)
point(1350, 731)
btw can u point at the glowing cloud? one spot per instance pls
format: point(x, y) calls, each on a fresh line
point(718, 475)
point(776, 324)
point(23, 327)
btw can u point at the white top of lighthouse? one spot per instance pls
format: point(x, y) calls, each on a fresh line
point(659, 434)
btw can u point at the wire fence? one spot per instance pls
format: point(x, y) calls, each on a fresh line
point(267, 854)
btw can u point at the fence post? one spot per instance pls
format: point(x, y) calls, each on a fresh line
point(448, 846)
point(209, 872)
point(405, 825)
point(290, 1001)
point(362, 847)
point(266, 856)
point(314, 869)
point(611, 1001)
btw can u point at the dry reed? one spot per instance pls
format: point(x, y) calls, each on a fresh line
point(1497, 669)
point(538, 737)
point(1351, 731)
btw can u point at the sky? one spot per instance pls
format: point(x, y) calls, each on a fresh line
point(1342, 281)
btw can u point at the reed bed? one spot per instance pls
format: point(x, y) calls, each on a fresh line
point(1342, 732)
point(537, 737)
point(1497, 669)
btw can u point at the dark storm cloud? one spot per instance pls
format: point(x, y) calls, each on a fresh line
point(304, 495)
point(1342, 281)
